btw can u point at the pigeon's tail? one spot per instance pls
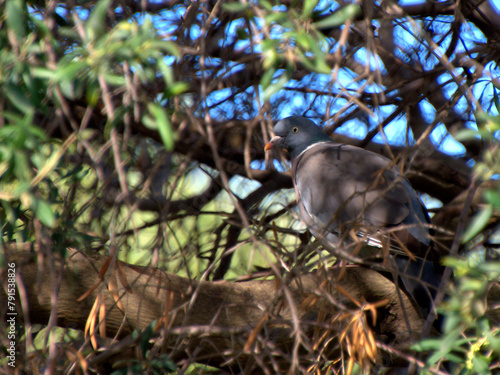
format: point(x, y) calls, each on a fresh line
point(421, 279)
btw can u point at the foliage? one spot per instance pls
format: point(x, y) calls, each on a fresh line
point(137, 128)
point(156, 364)
point(470, 339)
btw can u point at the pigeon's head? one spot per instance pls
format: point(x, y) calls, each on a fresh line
point(295, 134)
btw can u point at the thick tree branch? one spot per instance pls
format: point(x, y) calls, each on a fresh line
point(215, 318)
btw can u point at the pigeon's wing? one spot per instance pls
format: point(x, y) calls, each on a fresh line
point(340, 187)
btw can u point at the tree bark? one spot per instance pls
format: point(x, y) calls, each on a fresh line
point(219, 323)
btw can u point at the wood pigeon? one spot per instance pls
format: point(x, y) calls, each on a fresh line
point(345, 192)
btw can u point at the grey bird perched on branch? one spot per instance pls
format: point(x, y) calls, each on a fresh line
point(348, 195)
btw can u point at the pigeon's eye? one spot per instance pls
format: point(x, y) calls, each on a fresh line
point(295, 130)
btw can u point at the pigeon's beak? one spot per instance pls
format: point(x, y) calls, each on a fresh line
point(276, 140)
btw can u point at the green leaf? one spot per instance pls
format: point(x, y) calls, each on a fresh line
point(448, 344)
point(266, 5)
point(427, 344)
point(68, 32)
point(305, 41)
point(43, 73)
point(163, 125)
point(480, 364)
point(466, 135)
point(176, 88)
point(308, 8)
point(92, 93)
point(18, 97)
point(115, 79)
point(469, 284)
point(271, 60)
point(276, 18)
point(477, 223)
point(167, 73)
point(494, 342)
point(235, 7)
point(72, 89)
point(44, 213)
point(487, 122)
point(491, 266)
point(15, 16)
point(145, 337)
point(41, 28)
point(165, 46)
point(163, 364)
point(454, 358)
point(267, 77)
point(69, 71)
point(242, 33)
point(339, 17)
point(493, 197)
point(315, 64)
point(96, 21)
point(21, 166)
point(276, 86)
point(451, 322)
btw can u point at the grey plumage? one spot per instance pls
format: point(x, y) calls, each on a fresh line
point(342, 189)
